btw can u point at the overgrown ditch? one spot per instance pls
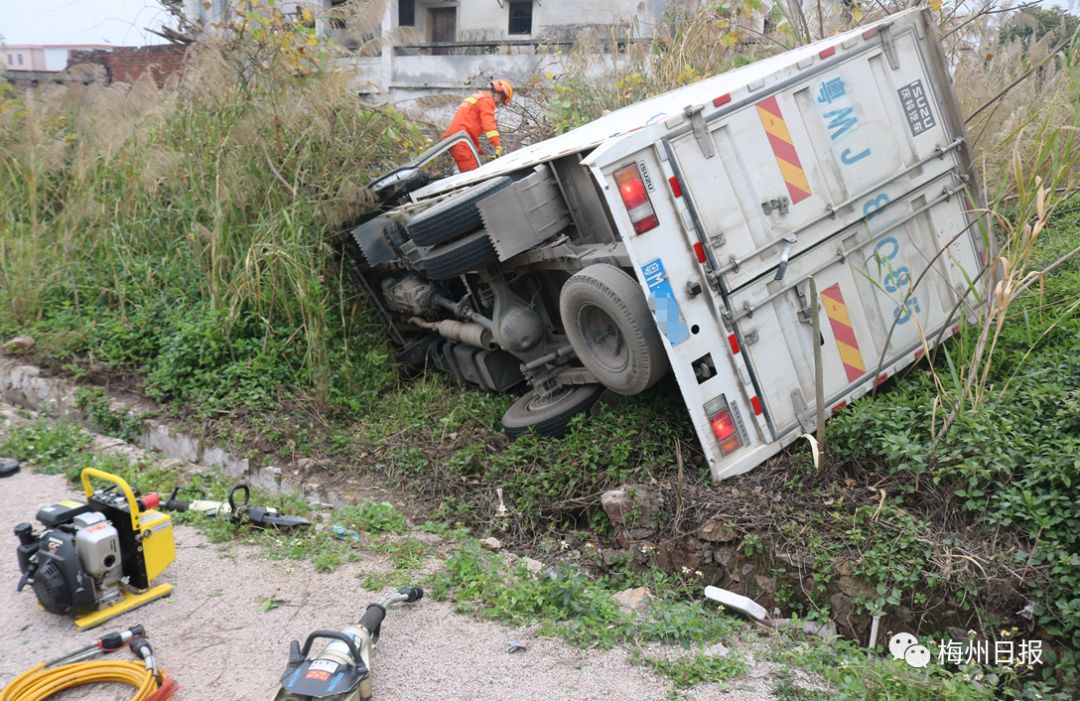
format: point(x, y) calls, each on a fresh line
point(617, 502)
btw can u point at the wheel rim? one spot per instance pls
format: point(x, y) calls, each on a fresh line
point(603, 338)
point(539, 403)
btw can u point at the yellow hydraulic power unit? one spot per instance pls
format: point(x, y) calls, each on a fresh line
point(97, 559)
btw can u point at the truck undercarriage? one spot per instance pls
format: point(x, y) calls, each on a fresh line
point(467, 289)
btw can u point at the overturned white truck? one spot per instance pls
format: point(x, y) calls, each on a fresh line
point(681, 234)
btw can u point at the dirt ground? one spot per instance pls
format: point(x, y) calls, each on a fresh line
point(213, 638)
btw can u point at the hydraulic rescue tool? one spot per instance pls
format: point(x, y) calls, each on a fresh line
point(74, 669)
point(96, 559)
point(342, 671)
point(242, 513)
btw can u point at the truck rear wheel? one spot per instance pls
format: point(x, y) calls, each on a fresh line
point(454, 216)
point(448, 260)
point(549, 416)
point(611, 329)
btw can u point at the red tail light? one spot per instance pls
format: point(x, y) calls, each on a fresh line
point(636, 199)
point(723, 425)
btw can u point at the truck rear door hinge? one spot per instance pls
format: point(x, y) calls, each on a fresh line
point(697, 121)
point(888, 45)
point(805, 313)
point(802, 412)
point(779, 204)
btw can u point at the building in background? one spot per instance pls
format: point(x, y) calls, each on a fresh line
point(404, 50)
point(42, 57)
point(30, 65)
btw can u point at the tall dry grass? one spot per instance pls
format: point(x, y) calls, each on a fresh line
point(221, 191)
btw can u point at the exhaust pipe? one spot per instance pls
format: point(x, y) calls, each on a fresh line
point(472, 334)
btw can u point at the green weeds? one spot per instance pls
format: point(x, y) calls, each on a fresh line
point(857, 674)
point(371, 517)
point(51, 446)
point(102, 418)
point(567, 603)
point(698, 669)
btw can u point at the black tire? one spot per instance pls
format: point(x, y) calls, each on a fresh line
point(8, 467)
point(455, 216)
point(608, 322)
point(550, 416)
point(448, 260)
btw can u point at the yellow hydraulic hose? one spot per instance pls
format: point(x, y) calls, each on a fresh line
point(39, 683)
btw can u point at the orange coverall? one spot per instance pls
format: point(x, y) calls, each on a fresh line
point(475, 116)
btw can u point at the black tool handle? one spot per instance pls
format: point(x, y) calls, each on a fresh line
point(234, 490)
point(334, 635)
point(174, 504)
point(25, 578)
point(262, 516)
point(414, 594)
point(114, 641)
point(373, 618)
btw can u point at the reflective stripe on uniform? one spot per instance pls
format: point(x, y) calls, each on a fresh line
point(470, 100)
point(491, 134)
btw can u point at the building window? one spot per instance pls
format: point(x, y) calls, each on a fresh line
point(10, 60)
point(20, 59)
point(406, 13)
point(520, 17)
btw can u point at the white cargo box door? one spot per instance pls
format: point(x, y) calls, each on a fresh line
point(847, 164)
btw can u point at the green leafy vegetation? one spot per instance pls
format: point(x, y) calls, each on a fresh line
point(186, 232)
point(371, 517)
point(101, 417)
point(1012, 461)
point(856, 674)
point(698, 669)
point(52, 446)
point(566, 602)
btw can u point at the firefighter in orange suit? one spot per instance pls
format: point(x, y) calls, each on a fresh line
point(476, 116)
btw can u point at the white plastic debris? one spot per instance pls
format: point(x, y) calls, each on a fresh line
point(736, 602)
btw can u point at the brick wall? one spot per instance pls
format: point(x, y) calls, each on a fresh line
point(127, 64)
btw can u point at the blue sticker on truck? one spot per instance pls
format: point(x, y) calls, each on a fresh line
point(663, 304)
